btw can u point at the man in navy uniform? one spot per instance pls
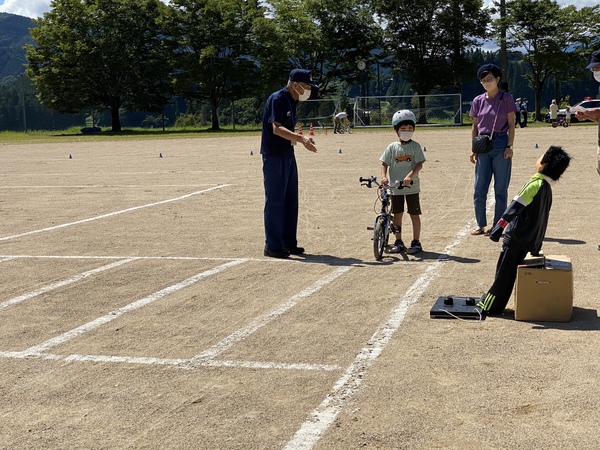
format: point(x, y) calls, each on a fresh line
point(280, 172)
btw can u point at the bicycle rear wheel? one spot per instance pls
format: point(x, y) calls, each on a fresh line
point(380, 238)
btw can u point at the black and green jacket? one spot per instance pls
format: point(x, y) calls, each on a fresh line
point(526, 219)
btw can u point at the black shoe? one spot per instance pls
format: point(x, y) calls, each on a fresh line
point(276, 253)
point(295, 250)
point(415, 247)
point(398, 247)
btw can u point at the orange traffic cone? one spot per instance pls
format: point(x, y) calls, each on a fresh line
point(300, 129)
point(311, 131)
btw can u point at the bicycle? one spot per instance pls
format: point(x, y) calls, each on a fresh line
point(560, 122)
point(347, 128)
point(384, 219)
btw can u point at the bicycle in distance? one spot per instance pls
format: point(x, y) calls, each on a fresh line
point(384, 220)
point(347, 128)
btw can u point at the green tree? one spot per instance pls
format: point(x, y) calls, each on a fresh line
point(213, 42)
point(552, 37)
point(101, 54)
point(428, 39)
point(463, 22)
point(326, 36)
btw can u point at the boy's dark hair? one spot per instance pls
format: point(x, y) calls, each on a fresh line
point(556, 161)
point(404, 122)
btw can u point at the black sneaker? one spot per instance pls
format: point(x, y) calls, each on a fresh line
point(276, 253)
point(415, 247)
point(398, 247)
point(295, 250)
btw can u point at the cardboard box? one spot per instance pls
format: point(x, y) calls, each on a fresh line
point(545, 294)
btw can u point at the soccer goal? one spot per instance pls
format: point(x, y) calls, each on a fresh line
point(434, 109)
point(318, 112)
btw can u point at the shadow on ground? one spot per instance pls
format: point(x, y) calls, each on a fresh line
point(565, 241)
point(582, 319)
point(388, 258)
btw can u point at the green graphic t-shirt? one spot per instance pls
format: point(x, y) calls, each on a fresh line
point(401, 159)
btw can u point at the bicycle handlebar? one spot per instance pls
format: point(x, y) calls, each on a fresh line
point(368, 182)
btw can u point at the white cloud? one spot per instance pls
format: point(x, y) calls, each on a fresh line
point(27, 8)
point(578, 3)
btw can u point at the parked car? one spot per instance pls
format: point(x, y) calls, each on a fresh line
point(587, 103)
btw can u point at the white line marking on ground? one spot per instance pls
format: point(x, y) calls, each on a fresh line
point(8, 258)
point(258, 323)
point(95, 186)
point(325, 414)
point(128, 308)
point(184, 363)
point(62, 283)
point(271, 365)
point(126, 359)
point(179, 258)
point(211, 363)
point(24, 355)
point(115, 213)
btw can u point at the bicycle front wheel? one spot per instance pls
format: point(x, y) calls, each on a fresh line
point(380, 238)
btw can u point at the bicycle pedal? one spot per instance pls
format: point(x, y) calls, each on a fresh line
point(370, 228)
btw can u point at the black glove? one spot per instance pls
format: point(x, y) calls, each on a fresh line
point(496, 232)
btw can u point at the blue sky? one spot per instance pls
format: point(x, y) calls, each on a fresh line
point(36, 8)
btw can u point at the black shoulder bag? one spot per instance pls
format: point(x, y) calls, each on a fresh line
point(483, 142)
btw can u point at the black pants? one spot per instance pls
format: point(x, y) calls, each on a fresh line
point(498, 295)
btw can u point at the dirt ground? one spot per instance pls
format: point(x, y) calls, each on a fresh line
point(137, 309)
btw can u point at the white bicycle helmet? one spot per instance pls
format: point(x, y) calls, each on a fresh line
point(402, 116)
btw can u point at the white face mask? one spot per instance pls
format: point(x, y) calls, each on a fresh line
point(597, 75)
point(405, 135)
point(304, 96)
point(489, 85)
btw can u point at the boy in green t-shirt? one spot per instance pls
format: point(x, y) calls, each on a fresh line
point(404, 158)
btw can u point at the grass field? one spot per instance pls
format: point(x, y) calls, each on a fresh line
point(138, 311)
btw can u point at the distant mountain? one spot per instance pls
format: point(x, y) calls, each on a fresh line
point(14, 34)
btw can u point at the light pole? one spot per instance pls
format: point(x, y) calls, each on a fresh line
point(503, 59)
point(23, 104)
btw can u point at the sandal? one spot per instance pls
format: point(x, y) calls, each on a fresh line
point(478, 232)
point(487, 232)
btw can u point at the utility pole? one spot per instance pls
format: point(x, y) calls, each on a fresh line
point(503, 58)
point(23, 104)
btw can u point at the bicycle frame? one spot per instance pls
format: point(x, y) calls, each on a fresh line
point(385, 197)
point(384, 219)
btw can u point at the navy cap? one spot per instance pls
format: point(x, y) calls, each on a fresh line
point(490, 68)
point(302, 76)
point(594, 61)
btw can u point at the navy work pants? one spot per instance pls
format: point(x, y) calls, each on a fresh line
point(280, 176)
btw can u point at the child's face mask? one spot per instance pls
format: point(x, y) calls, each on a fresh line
point(405, 135)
